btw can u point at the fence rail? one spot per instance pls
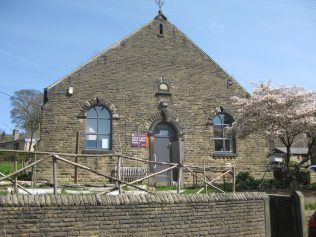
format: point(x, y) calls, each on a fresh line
point(118, 178)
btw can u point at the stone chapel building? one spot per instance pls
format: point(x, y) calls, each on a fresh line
point(155, 95)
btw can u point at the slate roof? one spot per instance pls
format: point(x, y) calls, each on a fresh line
point(294, 150)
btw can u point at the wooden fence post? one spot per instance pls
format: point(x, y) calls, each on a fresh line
point(234, 179)
point(16, 176)
point(77, 158)
point(179, 178)
point(205, 185)
point(55, 174)
point(34, 173)
point(119, 176)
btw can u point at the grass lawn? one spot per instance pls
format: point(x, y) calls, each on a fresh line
point(7, 167)
point(228, 187)
point(310, 206)
point(165, 188)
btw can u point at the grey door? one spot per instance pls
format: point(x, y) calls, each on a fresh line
point(165, 135)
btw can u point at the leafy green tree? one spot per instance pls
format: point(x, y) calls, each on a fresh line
point(5, 137)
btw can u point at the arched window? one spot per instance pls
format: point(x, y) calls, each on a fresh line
point(223, 140)
point(98, 129)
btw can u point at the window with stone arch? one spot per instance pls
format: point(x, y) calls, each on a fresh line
point(98, 132)
point(224, 141)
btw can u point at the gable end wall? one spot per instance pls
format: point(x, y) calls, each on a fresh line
point(125, 77)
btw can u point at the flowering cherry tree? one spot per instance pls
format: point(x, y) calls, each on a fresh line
point(284, 113)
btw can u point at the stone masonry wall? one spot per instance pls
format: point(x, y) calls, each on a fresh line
point(66, 172)
point(124, 78)
point(219, 215)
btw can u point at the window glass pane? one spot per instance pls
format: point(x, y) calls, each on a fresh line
point(98, 109)
point(163, 87)
point(91, 126)
point(104, 142)
point(218, 131)
point(227, 132)
point(164, 130)
point(219, 145)
point(228, 145)
point(222, 119)
point(104, 126)
point(104, 113)
point(91, 141)
point(98, 128)
point(228, 119)
point(218, 119)
point(92, 113)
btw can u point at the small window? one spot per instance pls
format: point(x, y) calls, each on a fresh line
point(163, 89)
point(223, 141)
point(98, 129)
point(161, 29)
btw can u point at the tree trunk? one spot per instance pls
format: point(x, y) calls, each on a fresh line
point(290, 174)
point(288, 156)
point(31, 142)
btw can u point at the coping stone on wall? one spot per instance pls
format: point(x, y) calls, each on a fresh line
point(125, 199)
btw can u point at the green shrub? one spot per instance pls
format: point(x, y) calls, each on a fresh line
point(275, 183)
point(303, 177)
point(245, 181)
point(292, 163)
point(279, 175)
point(25, 176)
point(15, 156)
point(244, 176)
point(312, 186)
point(227, 187)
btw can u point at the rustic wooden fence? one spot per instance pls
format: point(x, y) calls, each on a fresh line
point(118, 179)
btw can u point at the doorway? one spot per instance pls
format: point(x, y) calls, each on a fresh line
point(164, 142)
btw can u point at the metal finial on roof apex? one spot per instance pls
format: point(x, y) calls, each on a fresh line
point(160, 3)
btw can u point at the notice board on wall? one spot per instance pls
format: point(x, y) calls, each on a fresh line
point(139, 140)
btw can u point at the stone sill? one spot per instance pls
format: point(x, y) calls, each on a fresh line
point(97, 152)
point(163, 93)
point(225, 155)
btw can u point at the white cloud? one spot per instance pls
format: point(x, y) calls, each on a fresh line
point(26, 61)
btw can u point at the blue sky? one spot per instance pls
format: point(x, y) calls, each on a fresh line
point(254, 40)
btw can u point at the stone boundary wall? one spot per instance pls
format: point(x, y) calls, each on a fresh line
point(239, 214)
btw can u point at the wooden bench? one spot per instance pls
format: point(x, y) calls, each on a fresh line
point(129, 174)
